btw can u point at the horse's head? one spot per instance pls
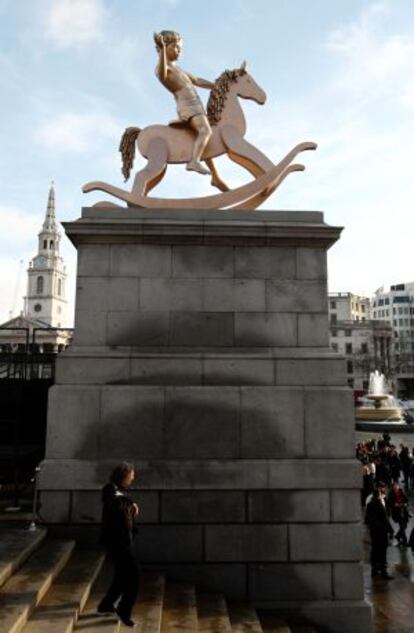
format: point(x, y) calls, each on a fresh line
point(247, 88)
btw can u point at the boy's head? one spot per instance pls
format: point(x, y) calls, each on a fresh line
point(173, 43)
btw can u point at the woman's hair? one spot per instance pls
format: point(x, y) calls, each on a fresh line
point(120, 472)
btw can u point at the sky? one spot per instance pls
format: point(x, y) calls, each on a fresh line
point(75, 73)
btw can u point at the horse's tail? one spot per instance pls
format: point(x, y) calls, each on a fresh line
point(127, 149)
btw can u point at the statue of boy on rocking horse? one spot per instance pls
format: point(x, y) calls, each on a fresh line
point(200, 135)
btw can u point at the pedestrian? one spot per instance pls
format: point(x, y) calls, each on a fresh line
point(398, 505)
point(380, 529)
point(405, 460)
point(117, 535)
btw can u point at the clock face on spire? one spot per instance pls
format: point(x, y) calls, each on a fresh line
point(39, 261)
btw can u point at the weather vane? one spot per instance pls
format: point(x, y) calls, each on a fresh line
point(198, 136)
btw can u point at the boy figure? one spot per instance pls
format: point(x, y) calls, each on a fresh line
point(189, 106)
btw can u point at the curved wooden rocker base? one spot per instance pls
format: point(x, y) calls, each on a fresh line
point(247, 197)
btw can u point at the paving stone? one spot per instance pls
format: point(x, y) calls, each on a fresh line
point(346, 506)
point(93, 260)
point(324, 372)
point(348, 581)
point(313, 330)
point(295, 296)
point(206, 329)
point(171, 295)
point(55, 506)
point(329, 423)
point(212, 614)
point(311, 263)
point(234, 295)
point(107, 293)
point(146, 329)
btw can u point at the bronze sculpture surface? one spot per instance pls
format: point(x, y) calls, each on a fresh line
point(199, 135)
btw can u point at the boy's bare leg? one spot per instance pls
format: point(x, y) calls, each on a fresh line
point(201, 126)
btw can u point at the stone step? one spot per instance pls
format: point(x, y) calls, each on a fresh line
point(212, 614)
point(89, 621)
point(60, 608)
point(244, 619)
point(299, 628)
point(148, 611)
point(16, 545)
point(26, 588)
point(275, 624)
point(180, 611)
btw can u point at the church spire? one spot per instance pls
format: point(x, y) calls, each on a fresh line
point(50, 219)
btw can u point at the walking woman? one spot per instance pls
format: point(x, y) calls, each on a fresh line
point(398, 505)
point(117, 535)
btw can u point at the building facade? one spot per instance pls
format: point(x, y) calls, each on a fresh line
point(396, 307)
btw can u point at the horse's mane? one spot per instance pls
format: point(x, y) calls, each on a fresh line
point(218, 95)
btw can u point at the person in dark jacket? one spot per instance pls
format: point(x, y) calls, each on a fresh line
point(380, 529)
point(117, 535)
point(397, 503)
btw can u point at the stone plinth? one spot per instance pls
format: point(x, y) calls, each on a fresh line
point(201, 354)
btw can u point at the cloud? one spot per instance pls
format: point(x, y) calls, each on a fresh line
point(75, 22)
point(75, 132)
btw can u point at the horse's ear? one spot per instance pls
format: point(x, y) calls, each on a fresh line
point(243, 67)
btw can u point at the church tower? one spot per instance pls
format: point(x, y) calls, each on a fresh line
point(45, 299)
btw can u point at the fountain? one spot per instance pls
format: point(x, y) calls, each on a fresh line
point(379, 404)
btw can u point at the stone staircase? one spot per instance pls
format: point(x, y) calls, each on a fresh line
point(50, 586)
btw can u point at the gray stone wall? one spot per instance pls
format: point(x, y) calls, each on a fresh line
point(201, 355)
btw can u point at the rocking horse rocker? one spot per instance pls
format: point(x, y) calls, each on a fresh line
point(179, 142)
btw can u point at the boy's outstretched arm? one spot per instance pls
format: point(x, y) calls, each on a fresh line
point(162, 67)
point(201, 83)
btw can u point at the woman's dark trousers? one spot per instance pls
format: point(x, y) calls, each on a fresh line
point(125, 582)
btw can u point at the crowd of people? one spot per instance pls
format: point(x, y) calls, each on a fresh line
point(384, 500)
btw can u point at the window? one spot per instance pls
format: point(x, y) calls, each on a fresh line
point(51, 243)
point(348, 348)
point(365, 385)
point(394, 311)
point(363, 319)
point(59, 288)
point(348, 332)
point(350, 367)
point(45, 244)
point(387, 301)
point(333, 318)
point(363, 307)
point(39, 285)
point(37, 307)
point(334, 332)
point(364, 348)
point(333, 305)
point(334, 347)
point(350, 382)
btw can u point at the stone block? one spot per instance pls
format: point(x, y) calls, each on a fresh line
point(265, 262)
point(331, 542)
point(348, 580)
point(313, 330)
point(90, 328)
point(55, 506)
point(281, 506)
point(346, 505)
point(272, 422)
point(238, 371)
point(290, 582)
point(86, 506)
point(229, 580)
point(171, 295)
point(329, 423)
point(106, 293)
point(213, 329)
point(295, 296)
point(308, 372)
point(314, 474)
point(167, 370)
point(234, 295)
point(73, 422)
point(131, 422)
point(259, 329)
point(170, 543)
point(93, 260)
point(311, 263)
point(202, 261)
point(134, 328)
point(100, 370)
point(140, 260)
point(241, 543)
point(204, 506)
point(202, 423)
